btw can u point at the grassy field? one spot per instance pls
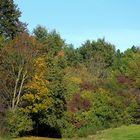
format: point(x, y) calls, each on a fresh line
point(122, 133)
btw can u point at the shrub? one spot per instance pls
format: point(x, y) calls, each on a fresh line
point(104, 110)
point(68, 131)
point(17, 123)
point(87, 130)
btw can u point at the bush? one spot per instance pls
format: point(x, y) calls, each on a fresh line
point(88, 130)
point(81, 126)
point(104, 110)
point(18, 123)
point(68, 131)
point(112, 110)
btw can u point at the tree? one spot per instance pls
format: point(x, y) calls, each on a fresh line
point(52, 116)
point(104, 49)
point(18, 123)
point(54, 44)
point(10, 25)
point(40, 33)
point(36, 90)
point(98, 57)
point(15, 68)
point(72, 55)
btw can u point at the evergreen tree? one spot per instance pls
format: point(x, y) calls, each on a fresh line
point(53, 116)
point(10, 25)
point(40, 33)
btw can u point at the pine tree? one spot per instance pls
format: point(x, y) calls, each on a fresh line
point(10, 25)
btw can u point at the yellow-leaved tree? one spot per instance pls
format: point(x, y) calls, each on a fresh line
point(36, 97)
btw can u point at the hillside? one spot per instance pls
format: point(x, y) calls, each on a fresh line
point(122, 133)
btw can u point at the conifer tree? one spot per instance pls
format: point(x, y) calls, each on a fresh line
point(10, 25)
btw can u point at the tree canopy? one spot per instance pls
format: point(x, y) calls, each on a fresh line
point(50, 88)
point(10, 25)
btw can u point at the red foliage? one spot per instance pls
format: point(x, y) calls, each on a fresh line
point(77, 123)
point(78, 103)
point(86, 85)
point(126, 80)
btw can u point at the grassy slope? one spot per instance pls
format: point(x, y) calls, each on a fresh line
point(122, 133)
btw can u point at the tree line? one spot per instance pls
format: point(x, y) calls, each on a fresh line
point(49, 88)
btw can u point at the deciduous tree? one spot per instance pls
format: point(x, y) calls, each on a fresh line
point(15, 68)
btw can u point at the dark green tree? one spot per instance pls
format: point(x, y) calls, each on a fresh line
point(56, 93)
point(55, 74)
point(10, 25)
point(54, 44)
point(98, 56)
point(72, 55)
point(91, 49)
point(40, 33)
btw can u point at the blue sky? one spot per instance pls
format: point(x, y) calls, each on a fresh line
point(78, 20)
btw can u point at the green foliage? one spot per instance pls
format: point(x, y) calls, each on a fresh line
point(2, 42)
point(72, 92)
point(72, 56)
point(53, 44)
point(18, 123)
point(111, 109)
point(88, 130)
point(56, 93)
point(104, 110)
point(10, 25)
point(94, 48)
point(40, 33)
point(68, 131)
point(52, 82)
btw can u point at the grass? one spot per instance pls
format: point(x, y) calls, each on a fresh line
point(29, 138)
point(36, 138)
point(131, 132)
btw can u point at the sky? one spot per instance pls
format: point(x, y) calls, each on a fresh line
point(118, 21)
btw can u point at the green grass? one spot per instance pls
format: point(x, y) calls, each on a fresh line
point(131, 132)
point(122, 133)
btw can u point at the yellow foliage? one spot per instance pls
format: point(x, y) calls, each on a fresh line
point(37, 89)
point(76, 80)
point(29, 96)
point(86, 94)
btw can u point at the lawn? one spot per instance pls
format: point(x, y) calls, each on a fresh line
point(131, 132)
point(122, 133)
